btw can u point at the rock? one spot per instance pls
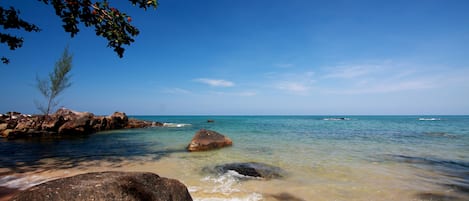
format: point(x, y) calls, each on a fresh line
point(79, 125)
point(7, 193)
point(3, 126)
point(135, 123)
point(251, 169)
point(99, 123)
point(6, 133)
point(205, 140)
point(117, 186)
point(118, 120)
point(210, 121)
point(53, 124)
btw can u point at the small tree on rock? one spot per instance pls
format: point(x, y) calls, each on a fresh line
point(56, 83)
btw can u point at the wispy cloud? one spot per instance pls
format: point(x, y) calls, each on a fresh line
point(354, 71)
point(284, 65)
point(297, 83)
point(386, 77)
point(215, 82)
point(176, 91)
point(242, 93)
point(295, 87)
point(386, 87)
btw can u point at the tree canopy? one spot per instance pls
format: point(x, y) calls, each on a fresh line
point(110, 23)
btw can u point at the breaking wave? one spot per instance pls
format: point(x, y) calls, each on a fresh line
point(22, 183)
point(223, 188)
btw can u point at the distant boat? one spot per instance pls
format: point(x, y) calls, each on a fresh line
point(429, 119)
point(175, 125)
point(336, 119)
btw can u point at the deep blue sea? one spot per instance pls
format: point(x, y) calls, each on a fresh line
point(325, 157)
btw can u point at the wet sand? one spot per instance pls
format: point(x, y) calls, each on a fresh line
point(373, 181)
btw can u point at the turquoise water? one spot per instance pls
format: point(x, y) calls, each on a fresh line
point(326, 157)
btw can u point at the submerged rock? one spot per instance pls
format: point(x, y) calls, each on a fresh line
point(108, 186)
point(286, 197)
point(251, 169)
point(205, 140)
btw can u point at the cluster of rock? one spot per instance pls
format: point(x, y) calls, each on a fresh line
point(65, 122)
point(108, 186)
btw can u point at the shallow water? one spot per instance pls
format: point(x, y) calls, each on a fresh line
point(325, 157)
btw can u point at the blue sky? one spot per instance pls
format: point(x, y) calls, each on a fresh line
point(256, 57)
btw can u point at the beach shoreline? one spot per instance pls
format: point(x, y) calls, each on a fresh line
point(335, 165)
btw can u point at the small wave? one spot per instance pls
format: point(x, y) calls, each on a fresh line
point(175, 125)
point(336, 119)
point(223, 188)
point(429, 119)
point(224, 183)
point(250, 197)
point(22, 183)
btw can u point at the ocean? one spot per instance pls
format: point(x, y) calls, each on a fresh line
point(331, 158)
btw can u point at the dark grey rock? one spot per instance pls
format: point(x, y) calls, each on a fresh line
point(251, 169)
point(115, 186)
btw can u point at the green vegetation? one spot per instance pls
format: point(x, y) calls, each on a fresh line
point(109, 22)
point(58, 81)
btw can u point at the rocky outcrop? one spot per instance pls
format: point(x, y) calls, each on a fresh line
point(65, 122)
point(252, 169)
point(205, 140)
point(108, 186)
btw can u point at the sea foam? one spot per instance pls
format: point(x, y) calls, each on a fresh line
point(22, 183)
point(223, 188)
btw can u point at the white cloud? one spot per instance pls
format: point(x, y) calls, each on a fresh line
point(215, 82)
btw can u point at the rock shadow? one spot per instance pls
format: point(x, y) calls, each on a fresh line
point(286, 197)
point(35, 154)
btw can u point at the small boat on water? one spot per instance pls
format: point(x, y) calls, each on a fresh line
point(429, 119)
point(336, 119)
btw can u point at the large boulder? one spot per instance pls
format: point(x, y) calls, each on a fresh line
point(251, 169)
point(118, 186)
point(205, 140)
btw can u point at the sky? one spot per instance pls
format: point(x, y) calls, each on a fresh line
point(256, 57)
